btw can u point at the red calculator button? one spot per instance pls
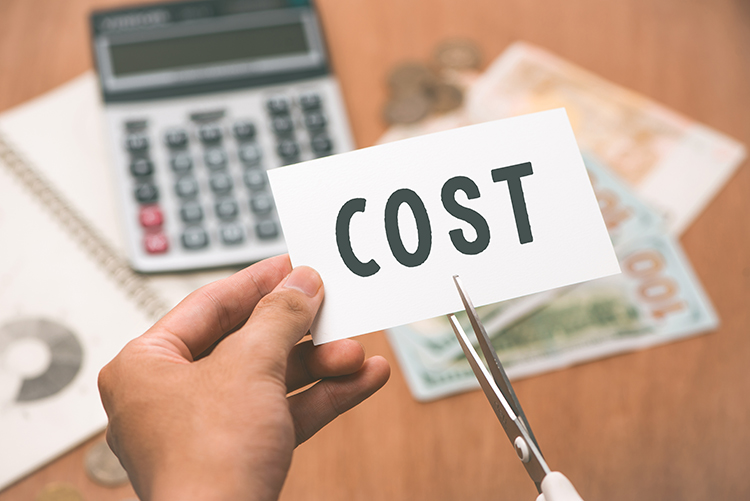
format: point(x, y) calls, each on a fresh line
point(150, 216)
point(156, 243)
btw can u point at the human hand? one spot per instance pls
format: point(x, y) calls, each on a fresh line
point(222, 427)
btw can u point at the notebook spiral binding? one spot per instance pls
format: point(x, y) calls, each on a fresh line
point(115, 266)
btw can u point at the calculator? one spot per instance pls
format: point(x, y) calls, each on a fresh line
point(200, 100)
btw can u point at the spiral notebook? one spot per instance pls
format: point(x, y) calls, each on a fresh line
point(68, 299)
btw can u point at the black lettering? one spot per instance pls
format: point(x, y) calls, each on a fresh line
point(343, 240)
point(448, 196)
point(513, 175)
point(393, 233)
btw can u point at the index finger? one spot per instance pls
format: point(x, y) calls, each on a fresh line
point(213, 310)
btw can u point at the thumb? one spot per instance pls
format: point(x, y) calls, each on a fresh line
point(280, 320)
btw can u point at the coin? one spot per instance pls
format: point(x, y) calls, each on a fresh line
point(458, 54)
point(445, 97)
point(59, 492)
point(406, 109)
point(103, 467)
point(410, 78)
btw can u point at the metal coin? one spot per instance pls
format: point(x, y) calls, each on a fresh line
point(446, 97)
point(59, 492)
point(411, 77)
point(458, 55)
point(406, 109)
point(103, 467)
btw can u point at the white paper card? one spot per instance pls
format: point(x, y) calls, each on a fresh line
point(506, 205)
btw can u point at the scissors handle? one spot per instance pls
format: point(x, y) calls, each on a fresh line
point(557, 487)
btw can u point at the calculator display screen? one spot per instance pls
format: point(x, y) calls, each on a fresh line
point(209, 48)
point(181, 48)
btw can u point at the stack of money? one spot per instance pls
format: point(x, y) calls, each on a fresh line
point(633, 149)
point(418, 90)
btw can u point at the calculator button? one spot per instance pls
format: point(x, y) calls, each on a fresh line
point(315, 120)
point(231, 234)
point(249, 154)
point(146, 192)
point(191, 212)
point(182, 162)
point(155, 243)
point(287, 149)
point(321, 144)
point(277, 105)
point(176, 138)
point(186, 187)
point(136, 142)
point(210, 133)
point(282, 125)
point(227, 209)
point(150, 216)
point(215, 158)
point(221, 183)
point(261, 203)
point(244, 130)
point(309, 101)
point(140, 167)
point(194, 237)
point(255, 179)
point(267, 229)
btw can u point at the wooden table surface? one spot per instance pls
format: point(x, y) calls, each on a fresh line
point(671, 422)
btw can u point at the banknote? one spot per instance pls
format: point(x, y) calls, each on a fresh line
point(625, 214)
point(657, 298)
point(673, 162)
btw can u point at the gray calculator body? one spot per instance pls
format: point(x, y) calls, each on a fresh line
point(201, 99)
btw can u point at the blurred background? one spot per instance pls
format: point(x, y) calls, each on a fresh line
point(668, 422)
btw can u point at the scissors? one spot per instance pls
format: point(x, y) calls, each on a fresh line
point(552, 486)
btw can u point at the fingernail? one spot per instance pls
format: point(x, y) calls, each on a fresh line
point(304, 279)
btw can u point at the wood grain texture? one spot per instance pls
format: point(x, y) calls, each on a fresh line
point(672, 422)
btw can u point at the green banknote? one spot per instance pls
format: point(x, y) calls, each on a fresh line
point(657, 298)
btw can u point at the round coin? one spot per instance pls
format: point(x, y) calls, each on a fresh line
point(410, 78)
point(406, 109)
point(103, 467)
point(446, 97)
point(59, 492)
point(458, 54)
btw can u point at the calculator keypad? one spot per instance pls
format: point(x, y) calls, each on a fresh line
point(227, 209)
point(191, 212)
point(215, 158)
point(141, 167)
point(156, 243)
point(151, 216)
point(201, 185)
point(146, 193)
point(210, 133)
point(194, 237)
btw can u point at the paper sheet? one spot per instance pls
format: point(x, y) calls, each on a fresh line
point(48, 396)
point(387, 230)
point(46, 275)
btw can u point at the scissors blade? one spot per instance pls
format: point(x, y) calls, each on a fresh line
point(493, 362)
point(514, 428)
